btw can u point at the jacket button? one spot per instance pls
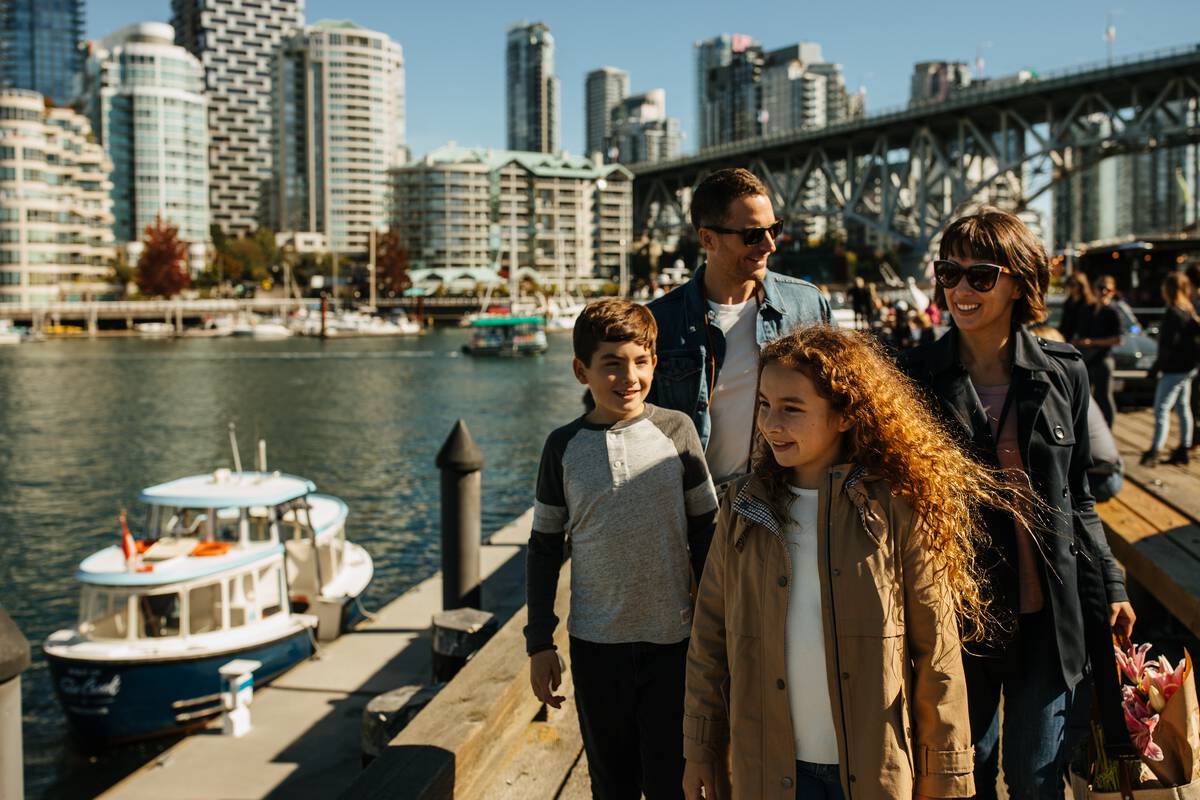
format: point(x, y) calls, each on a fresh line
point(783, 580)
point(787, 783)
point(780, 684)
point(853, 779)
point(836, 572)
point(845, 676)
point(1059, 433)
point(1073, 550)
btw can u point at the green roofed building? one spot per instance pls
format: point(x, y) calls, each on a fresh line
point(464, 208)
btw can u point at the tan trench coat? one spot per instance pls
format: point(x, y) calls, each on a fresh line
point(892, 649)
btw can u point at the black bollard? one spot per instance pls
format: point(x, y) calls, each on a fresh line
point(457, 636)
point(14, 659)
point(461, 462)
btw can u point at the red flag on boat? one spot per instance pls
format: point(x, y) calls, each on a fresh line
point(128, 546)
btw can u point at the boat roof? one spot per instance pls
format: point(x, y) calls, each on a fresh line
point(497, 322)
point(227, 489)
point(107, 567)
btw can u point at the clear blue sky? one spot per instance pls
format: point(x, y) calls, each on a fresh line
point(454, 51)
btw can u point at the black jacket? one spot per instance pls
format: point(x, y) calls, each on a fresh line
point(1177, 342)
point(1050, 404)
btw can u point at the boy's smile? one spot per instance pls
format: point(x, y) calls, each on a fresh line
point(619, 378)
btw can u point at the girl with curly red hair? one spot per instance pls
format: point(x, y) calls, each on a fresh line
point(826, 649)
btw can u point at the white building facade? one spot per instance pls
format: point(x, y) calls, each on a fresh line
point(236, 41)
point(144, 97)
point(463, 209)
point(339, 128)
point(56, 240)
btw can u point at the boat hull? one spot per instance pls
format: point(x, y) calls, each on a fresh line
point(118, 701)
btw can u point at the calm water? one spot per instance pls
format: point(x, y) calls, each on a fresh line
point(85, 425)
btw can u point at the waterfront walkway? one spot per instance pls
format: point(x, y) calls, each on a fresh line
point(307, 725)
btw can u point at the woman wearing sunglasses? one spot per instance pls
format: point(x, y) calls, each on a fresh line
point(1020, 403)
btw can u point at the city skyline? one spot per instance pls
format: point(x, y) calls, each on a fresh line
point(457, 93)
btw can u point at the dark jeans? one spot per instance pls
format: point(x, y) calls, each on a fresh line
point(1196, 409)
point(1038, 711)
point(817, 781)
point(630, 703)
point(1100, 373)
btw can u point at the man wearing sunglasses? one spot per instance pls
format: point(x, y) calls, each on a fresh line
point(711, 328)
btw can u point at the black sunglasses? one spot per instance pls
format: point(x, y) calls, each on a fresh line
point(752, 236)
point(980, 277)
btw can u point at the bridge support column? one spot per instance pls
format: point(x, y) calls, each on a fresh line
point(93, 321)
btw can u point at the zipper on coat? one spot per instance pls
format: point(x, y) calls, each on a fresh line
point(837, 652)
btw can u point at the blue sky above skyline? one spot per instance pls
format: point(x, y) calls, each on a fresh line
point(454, 52)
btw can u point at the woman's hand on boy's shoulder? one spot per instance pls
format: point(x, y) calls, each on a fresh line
point(545, 676)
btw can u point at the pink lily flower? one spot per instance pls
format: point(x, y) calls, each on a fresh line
point(1133, 663)
point(1141, 730)
point(1167, 679)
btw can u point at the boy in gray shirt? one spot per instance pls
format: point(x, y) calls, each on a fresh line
point(627, 482)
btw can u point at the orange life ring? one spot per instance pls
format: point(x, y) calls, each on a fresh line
point(211, 549)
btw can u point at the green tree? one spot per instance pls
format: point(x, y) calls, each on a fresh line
point(162, 266)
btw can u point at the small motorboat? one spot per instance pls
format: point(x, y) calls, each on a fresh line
point(155, 330)
point(223, 570)
point(259, 328)
point(8, 333)
point(507, 336)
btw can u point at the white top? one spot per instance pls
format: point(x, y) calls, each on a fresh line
point(733, 402)
point(804, 645)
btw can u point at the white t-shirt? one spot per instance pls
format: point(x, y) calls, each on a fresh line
point(804, 645)
point(733, 402)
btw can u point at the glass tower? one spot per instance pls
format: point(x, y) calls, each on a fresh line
point(39, 46)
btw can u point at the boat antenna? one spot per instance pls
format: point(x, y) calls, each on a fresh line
point(262, 455)
point(237, 457)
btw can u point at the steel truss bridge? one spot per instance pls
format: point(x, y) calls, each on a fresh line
point(901, 174)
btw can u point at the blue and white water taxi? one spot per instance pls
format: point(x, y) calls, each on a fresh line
point(225, 567)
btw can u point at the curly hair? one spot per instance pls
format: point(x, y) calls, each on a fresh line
point(895, 436)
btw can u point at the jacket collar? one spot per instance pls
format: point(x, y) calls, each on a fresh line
point(754, 502)
point(1027, 354)
point(697, 306)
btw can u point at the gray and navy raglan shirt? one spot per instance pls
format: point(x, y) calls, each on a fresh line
point(637, 503)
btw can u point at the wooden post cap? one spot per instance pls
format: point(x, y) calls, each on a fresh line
point(460, 453)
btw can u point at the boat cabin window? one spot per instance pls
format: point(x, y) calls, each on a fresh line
point(158, 615)
point(228, 525)
point(261, 520)
point(270, 590)
point(104, 614)
point(204, 609)
point(179, 522)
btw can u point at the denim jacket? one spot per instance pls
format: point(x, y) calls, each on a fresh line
point(683, 343)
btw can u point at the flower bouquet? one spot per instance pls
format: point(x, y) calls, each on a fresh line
point(1163, 720)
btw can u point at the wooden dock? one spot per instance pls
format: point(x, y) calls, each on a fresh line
point(307, 725)
point(1177, 486)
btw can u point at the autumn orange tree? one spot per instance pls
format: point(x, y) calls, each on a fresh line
point(162, 266)
point(391, 262)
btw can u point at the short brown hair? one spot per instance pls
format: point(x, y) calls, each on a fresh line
point(612, 320)
point(994, 235)
point(711, 199)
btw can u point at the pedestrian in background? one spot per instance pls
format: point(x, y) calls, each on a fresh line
point(1021, 403)
point(1193, 273)
point(825, 652)
point(1098, 334)
point(1077, 307)
point(1176, 369)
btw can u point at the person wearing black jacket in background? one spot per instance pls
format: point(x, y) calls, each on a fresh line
point(1095, 338)
point(1077, 307)
point(1021, 403)
point(1193, 273)
point(1176, 368)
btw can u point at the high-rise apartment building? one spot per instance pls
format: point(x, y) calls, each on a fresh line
point(144, 96)
point(56, 240)
point(642, 131)
point(605, 88)
point(236, 41)
point(339, 128)
point(936, 81)
point(744, 92)
point(532, 89)
point(460, 208)
point(39, 46)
